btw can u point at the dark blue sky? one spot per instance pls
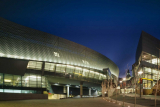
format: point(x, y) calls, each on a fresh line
point(111, 27)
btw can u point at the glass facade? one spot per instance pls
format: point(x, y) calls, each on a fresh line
point(150, 72)
point(73, 71)
point(18, 81)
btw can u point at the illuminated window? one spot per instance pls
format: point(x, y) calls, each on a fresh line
point(1, 78)
point(91, 74)
point(34, 65)
point(101, 77)
point(85, 72)
point(60, 68)
point(69, 69)
point(78, 71)
point(49, 67)
point(32, 80)
point(96, 75)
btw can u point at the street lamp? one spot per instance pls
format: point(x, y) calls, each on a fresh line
point(140, 72)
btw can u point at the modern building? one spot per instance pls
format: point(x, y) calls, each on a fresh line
point(33, 61)
point(147, 60)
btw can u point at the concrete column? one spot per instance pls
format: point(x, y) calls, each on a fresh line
point(89, 91)
point(81, 89)
point(67, 91)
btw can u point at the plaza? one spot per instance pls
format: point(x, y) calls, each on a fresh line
point(71, 102)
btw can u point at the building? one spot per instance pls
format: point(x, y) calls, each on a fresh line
point(128, 74)
point(33, 61)
point(147, 60)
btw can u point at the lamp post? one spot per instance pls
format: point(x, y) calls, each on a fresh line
point(140, 72)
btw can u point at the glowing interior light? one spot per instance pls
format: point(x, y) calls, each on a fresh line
point(21, 57)
point(16, 56)
point(96, 72)
point(91, 71)
point(70, 66)
point(7, 80)
point(9, 55)
point(28, 58)
point(27, 78)
point(18, 79)
point(34, 58)
point(1, 54)
point(124, 78)
point(140, 72)
point(78, 68)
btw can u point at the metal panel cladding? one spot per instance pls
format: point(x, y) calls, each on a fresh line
point(17, 41)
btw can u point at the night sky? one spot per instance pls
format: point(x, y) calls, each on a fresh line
point(110, 27)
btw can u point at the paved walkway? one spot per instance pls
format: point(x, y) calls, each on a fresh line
point(139, 101)
point(81, 102)
point(144, 96)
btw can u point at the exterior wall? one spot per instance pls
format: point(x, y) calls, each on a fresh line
point(13, 96)
point(31, 59)
point(25, 43)
point(149, 44)
point(147, 61)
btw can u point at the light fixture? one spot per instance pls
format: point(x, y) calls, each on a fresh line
point(140, 72)
point(56, 84)
point(124, 79)
point(120, 81)
point(7, 80)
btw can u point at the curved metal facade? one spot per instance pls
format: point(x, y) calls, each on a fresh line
point(17, 41)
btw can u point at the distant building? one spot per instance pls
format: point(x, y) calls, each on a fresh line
point(128, 74)
point(147, 60)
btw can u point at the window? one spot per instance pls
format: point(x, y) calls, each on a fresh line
point(78, 71)
point(69, 69)
point(32, 80)
point(8, 80)
point(91, 74)
point(1, 78)
point(85, 72)
point(34, 65)
point(60, 68)
point(100, 76)
point(17, 80)
point(96, 75)
point(49, 67)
